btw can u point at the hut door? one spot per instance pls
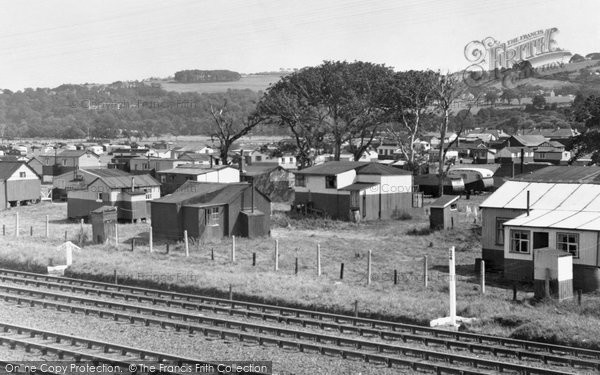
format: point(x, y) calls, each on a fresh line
point(354, 200)
point(540, 240)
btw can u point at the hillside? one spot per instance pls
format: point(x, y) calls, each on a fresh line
point(254, 82)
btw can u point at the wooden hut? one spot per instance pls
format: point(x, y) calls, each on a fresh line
point(104, 220)
point(443, 212)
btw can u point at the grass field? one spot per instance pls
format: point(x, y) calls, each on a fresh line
point(395, 245)
point(252, 82)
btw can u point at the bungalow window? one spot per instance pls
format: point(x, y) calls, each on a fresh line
point(213, 216)
point(148, 194)
point(500, 230)
point(64, 161)
point(568, 242)
point(519, 241)
point(163, 178)
point(330, 182)
point(300, 180)
point(542, 155)
point(22, 174)
point(99, 197)
point(258, 158)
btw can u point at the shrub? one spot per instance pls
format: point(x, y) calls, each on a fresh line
point(424, 231)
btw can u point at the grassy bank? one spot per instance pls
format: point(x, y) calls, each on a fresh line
point(395, 245)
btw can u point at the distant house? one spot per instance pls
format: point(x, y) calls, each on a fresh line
point(556, 134)
point(143, 165)
point(172, 179)
point(211, 211)
point(19, 184)
point(356, 190)
point(78, 179)
point(37, 165)
point(178, 151)
point(388, 150)
point(258, 157)
point(483, 155)
point(551, 151)
point(78, 159)
point(129, 194)
point(513, 155)
point(197, 158)
point(525, 140)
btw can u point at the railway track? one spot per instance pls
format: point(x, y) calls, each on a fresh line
point(101, 355)
point(303, 341)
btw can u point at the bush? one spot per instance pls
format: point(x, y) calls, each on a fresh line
point(401, 215)
point(424, 231)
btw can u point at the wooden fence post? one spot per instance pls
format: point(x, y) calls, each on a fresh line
point(276, 255)
point(116, 234)
point(31, 231)
point(232, 249)
point(47, 227)
point(132, 244)
point(369, 269)
point(212, 253)
point(425, 276)
point(185, 240)
point(547, 283)
point(395, 277)
point(4, 229)
point(230, 292)
point(296, 267)
point(355, 309)
point(318, 259)
point(482, 277)
point(150, 240)
point(342, 271)
point(115, 272)
point(514, 292)
point(253, 259)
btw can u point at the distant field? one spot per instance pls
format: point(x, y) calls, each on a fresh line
point(253, 82)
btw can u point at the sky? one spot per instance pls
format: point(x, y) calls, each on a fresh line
point(45, 43)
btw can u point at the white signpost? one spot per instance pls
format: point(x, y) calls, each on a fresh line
point(68, 248)
point(451, 320)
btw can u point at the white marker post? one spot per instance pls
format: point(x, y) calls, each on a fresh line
point(369, 269)
point(17, 225)
point(187, 247)
point(318, 259)
point(47, 227)
point(232, 249)
point(452, 287)
point(150, 239)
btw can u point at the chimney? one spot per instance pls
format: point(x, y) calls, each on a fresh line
point(522, 159)
point(132, 183)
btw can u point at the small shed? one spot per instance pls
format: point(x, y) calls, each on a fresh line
point(554, 267)
point(443, 212)
point(104, 220)
point(254, 224)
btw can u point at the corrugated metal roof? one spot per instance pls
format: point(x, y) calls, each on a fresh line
point(358, 186)
point(382, 170)
point(203, 193)
point(577, 174)
point(193, 169)
point(504, 194)
point(536, 191)
point(332, 168)
point(121, 182)
point(444, 201)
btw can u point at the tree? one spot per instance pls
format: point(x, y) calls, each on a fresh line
point(588, 142)
point(410, 98)
point(234, 115)
point(508, 95)
point(448, 89)
point(337, 102)
point(491, 97)
point(538, 101)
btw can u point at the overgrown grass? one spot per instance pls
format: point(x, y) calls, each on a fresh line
point(392, 248)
